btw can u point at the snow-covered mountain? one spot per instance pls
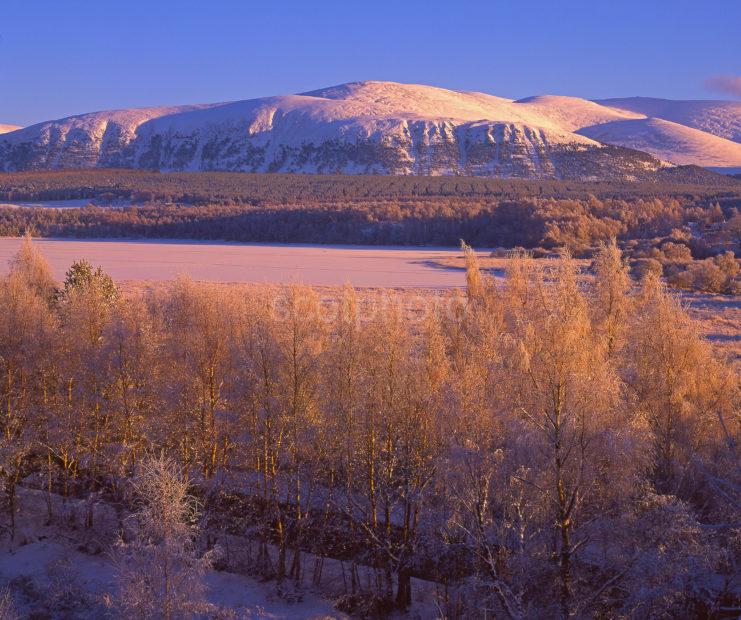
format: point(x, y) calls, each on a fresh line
point(376, 127)
point(717, 117)
point(670, 141)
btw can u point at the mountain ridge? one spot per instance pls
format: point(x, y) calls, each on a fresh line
point(383, 128)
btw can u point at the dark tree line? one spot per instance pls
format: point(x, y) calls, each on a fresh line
point(576, 224)
point(260, 189)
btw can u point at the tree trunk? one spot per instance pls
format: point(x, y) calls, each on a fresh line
point(404, 588)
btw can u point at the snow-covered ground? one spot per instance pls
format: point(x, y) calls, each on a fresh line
point(321, 265)
point(72, 203)
point(59, 568)
point(47, 566)
point(76, 203)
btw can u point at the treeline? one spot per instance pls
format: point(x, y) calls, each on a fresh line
point(538, 449)
point(381, 210)
point(142, 186)
point(576, 224)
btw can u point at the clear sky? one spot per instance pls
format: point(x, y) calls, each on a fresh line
point(62, 57)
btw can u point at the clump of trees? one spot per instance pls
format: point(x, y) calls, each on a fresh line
point(713, 275)
point(540, 448)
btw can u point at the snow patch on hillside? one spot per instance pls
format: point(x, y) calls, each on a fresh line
point(717, 117)
point(572, 113)
point(669, 141)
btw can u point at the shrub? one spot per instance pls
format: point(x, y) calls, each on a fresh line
point(676, 252)
point(712, 275)
point(671, 270)
point(727, 263)
point(641, 267)
point(705, 276)
point(681, 279)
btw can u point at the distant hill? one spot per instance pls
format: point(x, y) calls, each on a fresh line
point(669, 141)
point(717, 117)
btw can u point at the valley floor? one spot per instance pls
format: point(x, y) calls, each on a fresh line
point(321, 265)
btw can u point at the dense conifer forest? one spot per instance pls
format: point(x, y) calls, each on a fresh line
point(257, 189)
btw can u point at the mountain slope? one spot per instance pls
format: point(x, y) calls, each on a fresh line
point(717, 117)
point(573, 113)
point(8, 128)
point(670, 141)
point(361, 127)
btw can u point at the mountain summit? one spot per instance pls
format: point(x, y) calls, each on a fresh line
point(390, 128)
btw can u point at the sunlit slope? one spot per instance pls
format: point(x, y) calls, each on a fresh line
point(367, 127)
point(669, 141)
point(717, 117)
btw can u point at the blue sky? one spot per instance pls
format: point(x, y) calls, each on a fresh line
point(62, 57)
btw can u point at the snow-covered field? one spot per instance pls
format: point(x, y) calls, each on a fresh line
point(261, 263)
point(76, 203)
